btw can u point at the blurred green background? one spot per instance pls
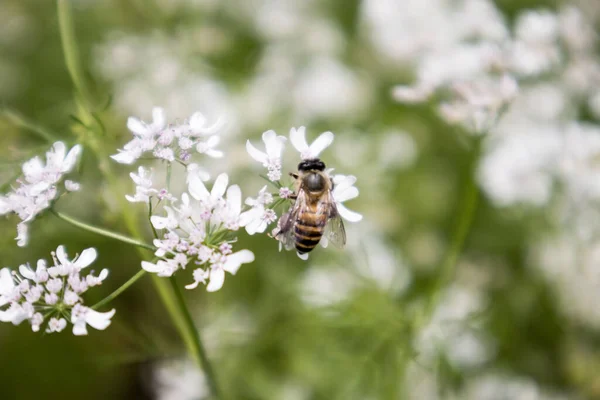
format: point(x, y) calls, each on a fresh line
point(338, 326)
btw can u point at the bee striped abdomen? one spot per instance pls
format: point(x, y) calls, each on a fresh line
point(308, 230)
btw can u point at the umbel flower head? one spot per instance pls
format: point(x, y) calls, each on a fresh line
point(50, 297)
point(38, 187)
point(199, 229)
point(170, 142)
point(263, 208)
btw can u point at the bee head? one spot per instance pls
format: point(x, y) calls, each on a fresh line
point(311, 165)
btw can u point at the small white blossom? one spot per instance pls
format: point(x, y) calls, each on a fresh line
point(38, 187)
point(72, 186)
point(258, 217)
point(169, 142)
point(344, 190)
point(271, 157)
point(200, 230)
point(31, 295)
point(143, 188)
point(298, 140)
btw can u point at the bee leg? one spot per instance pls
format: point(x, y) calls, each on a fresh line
point(293, 175)
point(293, 196)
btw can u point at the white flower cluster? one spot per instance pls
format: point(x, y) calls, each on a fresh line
point(262, 212)
point(200, 228)
point(51, 296)
point(38, 187)
point(170, 142)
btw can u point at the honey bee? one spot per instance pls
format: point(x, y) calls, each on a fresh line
point(314, 214)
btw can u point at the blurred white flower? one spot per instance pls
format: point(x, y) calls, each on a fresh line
point(271, 158)
point(179, 380)
point(52, 293)
point(38, 187)
point(298, 140)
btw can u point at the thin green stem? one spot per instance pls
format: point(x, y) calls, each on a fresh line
point(199, 351)
point(22, 122)
point(466, 215)
point(177, 311)
point(119, 290)
point(71, 51)
point(100, 231)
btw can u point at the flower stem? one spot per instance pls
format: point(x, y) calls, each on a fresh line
point(469, 201)
point(22, 122)
point(71, 51)
point(199, 353)
point(119, 290)
point(100, 231)
point(176, 309)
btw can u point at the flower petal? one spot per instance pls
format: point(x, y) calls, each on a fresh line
point(298, 139)
point(159, 119)
point(255, 153)
point(196, 187)
point(220, 185)
point(217, 277)
point(234, 199)
point(87, 257)
point(348, 214)
point(79, 328)
point(71, 158)
point(99, 320)
point(61, 255)
point(342, 195)
point(124, 157)
point(137, 127)
point(320, 144)
point(235, 260)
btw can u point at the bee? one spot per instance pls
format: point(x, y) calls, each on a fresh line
point(313, 214)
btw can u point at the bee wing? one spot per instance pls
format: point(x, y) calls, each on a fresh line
point(334, 230)
point(285, 235)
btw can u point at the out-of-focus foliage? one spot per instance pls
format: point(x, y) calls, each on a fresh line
point(341, 325)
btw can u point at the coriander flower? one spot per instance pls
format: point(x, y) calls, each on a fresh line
point(52, 294)
point(200, 229)
point(258, 217)
point(143, 189)
point(169, 142)
point(271, 158)
point(38, 187)
point(298, 139)
point(344, 190)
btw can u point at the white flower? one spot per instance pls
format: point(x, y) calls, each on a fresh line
point(31, 295)
point(230, 263)
point(298, 139)
point(37, 188)
point(72, 186)
point(271, 158)
point(208, 147)
point(81, 316)
point(258, 217)
point(143, 188)
point(169, 143)
point(344, 190)
point(200, 230)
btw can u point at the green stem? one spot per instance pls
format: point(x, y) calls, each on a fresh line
point(178, 312)
point(100, 231)
point(71, 51)
point(22, 122)
point(195, 341)
point(469, 201)
point(119, 290)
